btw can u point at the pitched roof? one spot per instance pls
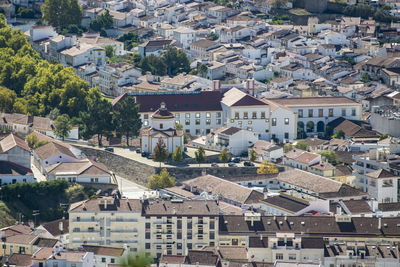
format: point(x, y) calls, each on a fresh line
point(104, 251)
point(162, 113)
point(85, 166)
point(177, 101)
point(57, 227)
point(131, 205)
point(218, 186)
point(381, 174)
point(201, 257)
point(20, 260)
point(51, 149)
point(231, 131)
point(185, 207)
point(12, 141)
point(286, 203)
point(235, 97)
point(172, 259)
point(204, 43)
point(357, 206)
point(10, 168)
point(45, 242)
point(314, 101)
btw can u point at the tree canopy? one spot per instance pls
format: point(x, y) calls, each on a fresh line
point(126, 118)
point(303, 145)
point(160, 151)
point(62, 13)
point(31, 85)
point(224, 156)
point(62, 126)
point(200, 155)
point(267, 168)
point(102, 22)
point(177, 156)
point(162, 180)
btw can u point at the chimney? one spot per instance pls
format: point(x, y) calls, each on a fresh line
point(216, 85)
point(105, 204)
point(61, 226)
point(203, 172)
point(379, 223)
point(250, 86)
point(174, 210)
point(338, 209)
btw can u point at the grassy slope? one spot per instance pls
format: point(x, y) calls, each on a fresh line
point(6, 216)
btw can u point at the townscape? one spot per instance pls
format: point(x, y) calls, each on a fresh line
point(200, 133)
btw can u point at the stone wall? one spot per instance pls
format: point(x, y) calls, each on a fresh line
point(139, 173)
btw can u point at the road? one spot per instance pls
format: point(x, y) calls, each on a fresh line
point(133, 190)
point(130, 154)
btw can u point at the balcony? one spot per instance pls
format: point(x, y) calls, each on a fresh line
point(85, 220)
point(124, 231)
point(124, 220)
point(162, 222)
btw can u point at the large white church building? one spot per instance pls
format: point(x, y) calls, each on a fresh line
point(162, 127)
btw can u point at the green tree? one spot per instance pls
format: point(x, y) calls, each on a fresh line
point(384, 136)
point(62, 126)
point(339, 134)
point(177, 156)
point(301, 145)
point(200, 155)
point(7, 99)
point(279, 3)
point(361, 10)
point(202, 70)
point(33, 141)
point(330, 156)
point(178, 126)
point(267, 168)
point(62, 13)
point(253, 155)
point(365, 77)
point(126, 118)
point(176, 61)
point(109, 51)
point(214, 36)
point(287, 147)
point(160, 152)
point(130, 39)
point(97, 120)
point(162, 180)
point(54, 113)
point(137, 260)
point(102, 22)
point(224, 156)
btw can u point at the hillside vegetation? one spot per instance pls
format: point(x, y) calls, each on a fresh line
point(31, 85)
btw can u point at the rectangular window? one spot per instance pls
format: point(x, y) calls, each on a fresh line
point(187, 115)
point(197, 121)
point(212, 225)
point(103, 259)
point(147, 235)
point(146, 116)
point(187, 122)
point(286, 121)
point(147, 246)
point(279, 256)
point(263, 115)
point(254, 115)
point(286, 135)
point(218, 121)
point(197, 131)
point(236, 115)
point(208, 115)
point(177, 122)
point(343, 112)
point(330, 112)
point(353, 112)
point(208, 121)
point(218, 114)
point(320, 112)
point(189, 245)
point(300, 113)
point(212, 235)
point(273, 121)
point(310, 113)
point(177, 115)
point(245, 115)
point(197, 114)
point(292, 257)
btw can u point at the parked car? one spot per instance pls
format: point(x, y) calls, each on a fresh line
point(138, 150)
point(109, 149)
point(149, 156)
point(248, 164)
point(231, 164)
point(144, 154)
point(236, 159)
point(214, 165)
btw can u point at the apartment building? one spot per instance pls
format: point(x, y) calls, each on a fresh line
point(107, 221)
point(372, 161)
point(178, 225)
